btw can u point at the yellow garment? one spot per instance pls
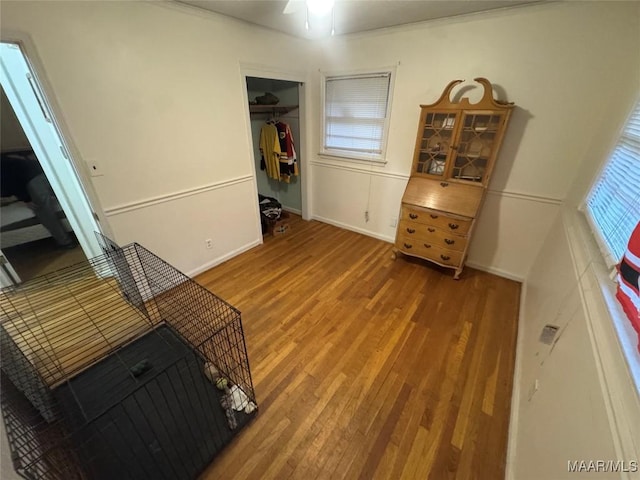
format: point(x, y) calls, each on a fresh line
point(270, 149)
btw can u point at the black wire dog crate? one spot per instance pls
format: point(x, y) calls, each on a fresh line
point(120, 368)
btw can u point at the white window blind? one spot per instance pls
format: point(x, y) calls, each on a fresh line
point(613, 205)
point(355, 115)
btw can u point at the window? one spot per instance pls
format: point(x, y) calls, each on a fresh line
point(613, 205)
point(356, 115)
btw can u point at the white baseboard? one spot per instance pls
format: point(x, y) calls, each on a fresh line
point(496, 271)
point(368, 233)
point(515, 393)
point(222, 259)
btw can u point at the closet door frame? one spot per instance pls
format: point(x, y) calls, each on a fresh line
point(263, 71)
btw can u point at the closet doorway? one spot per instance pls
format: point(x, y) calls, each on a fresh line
point(277, 103)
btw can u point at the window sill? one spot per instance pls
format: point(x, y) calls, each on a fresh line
point(381, 162)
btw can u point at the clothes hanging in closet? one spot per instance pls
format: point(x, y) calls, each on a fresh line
point(270, 150)
point(278, 151)
point(288, 158)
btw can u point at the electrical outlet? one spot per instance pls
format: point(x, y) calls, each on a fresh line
point(394, 222)
point(209, 243)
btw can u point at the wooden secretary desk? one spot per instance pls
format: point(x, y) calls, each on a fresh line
point(456, 149)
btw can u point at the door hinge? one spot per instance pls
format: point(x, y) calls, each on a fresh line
point(95, 216)
point(3, 260)
point(64, 152)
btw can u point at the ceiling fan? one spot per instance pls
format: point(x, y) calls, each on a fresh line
point(315, 7)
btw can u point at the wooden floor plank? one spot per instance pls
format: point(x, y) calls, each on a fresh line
point(365, 367)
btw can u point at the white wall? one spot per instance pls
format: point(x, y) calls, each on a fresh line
point(566, 418)
point(562, 64)
point(153, 93)
point(587, 406)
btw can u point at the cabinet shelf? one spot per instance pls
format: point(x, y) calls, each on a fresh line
point(439, 153)
point(480, 129)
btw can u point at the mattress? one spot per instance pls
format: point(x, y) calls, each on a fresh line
point(18, 225)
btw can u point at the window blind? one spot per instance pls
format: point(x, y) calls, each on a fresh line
point(613, 205)
point(356, 113)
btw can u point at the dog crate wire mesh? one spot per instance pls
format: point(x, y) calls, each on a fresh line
point(120, 367)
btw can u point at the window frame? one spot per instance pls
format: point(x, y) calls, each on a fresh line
point(346, 155)
point(607, 255)
point(607, 279)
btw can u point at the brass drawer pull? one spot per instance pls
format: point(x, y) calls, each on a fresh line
point(453, 226)
point(444, 184)
point(407, 245)
point(431, 229)
point(433, 216)
point(449, 241)
point(413, 216)
point(411, 230)
point(427, 245)
point(445, 257)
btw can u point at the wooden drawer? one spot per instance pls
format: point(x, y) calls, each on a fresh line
point(432, 235)
point(420, 248)
point(436, 219)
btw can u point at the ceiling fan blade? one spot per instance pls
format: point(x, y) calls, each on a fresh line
point(293, 6)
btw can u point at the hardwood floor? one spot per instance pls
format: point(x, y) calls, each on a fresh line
point(365, 367)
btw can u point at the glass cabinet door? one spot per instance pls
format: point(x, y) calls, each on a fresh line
point(435, 143)
point(475, 145)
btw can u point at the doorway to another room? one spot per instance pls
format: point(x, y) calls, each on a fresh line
point(31, 248)
point(275, 131)
point(47, 221)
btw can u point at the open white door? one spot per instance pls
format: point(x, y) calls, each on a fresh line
point(20, 84)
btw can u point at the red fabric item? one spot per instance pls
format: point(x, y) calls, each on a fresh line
point(628, 278)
